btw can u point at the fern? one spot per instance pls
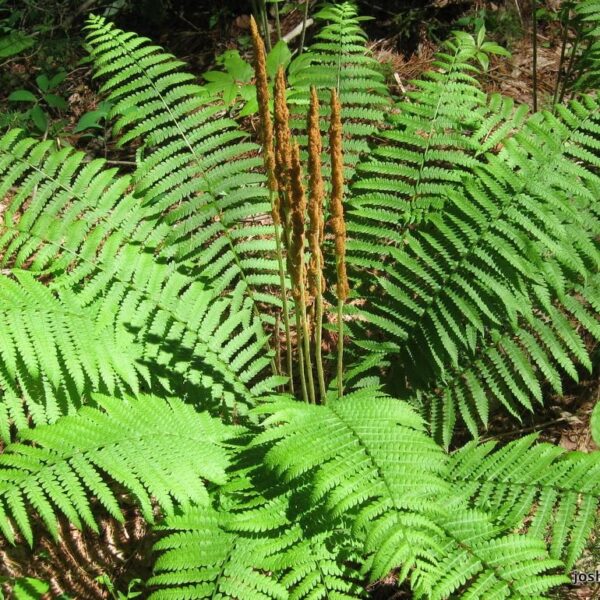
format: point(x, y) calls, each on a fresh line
point(136, 311)
point(195, 170)
point(451, 528)
point(457, 274)
point(56, 350)
point(338, 59)
point(150, 446)
point(171, 314)
point(530, 483)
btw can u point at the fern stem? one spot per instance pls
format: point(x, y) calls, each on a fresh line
point(306, 345)
point(340, 348)
point(561, 62)
point(301, 364)
point(319, 341)
point(277, 20)
point(265, 24)
point(278, 344)
point(286, 314)
point(570, 66)
point(304, 20)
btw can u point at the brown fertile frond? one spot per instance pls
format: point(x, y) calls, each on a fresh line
point(283, 147)
point(338, 225)
point(262, 95)
point(315, 199)
point(297, 211)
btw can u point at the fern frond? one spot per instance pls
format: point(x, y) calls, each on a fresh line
point(53, 351)
point(434, 136)
point(339, 59)
point(272, 545)
point(73, 221)
point(61, 208)
point(196, 171)
point(200, 558)
point(369, 461)
point(152, 447)
point(496, 259)
point(537, 488)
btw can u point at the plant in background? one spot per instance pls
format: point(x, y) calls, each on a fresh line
point(45, 100)
point(236, 80)
point(580, 47)
point(446, 241)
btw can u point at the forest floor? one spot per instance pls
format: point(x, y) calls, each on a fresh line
point(121, 552)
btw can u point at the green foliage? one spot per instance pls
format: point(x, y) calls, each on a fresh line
point(595, 424)
point(153, 447)
point(236, 79)
point(137, 317)
point(338, 59)
point(14, 42)
point(45, 99)
point(485, 283)
point(28, 588)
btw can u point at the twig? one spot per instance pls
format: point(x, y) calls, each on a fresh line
point(129, 163)
point(538, 426)
point(518, 7)
point(288, 37)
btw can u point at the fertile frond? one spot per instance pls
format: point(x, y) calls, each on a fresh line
point(154, 448)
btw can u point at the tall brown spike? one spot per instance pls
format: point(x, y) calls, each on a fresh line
point(315, 199)
point(283, 146)
point(338, 225)
point(266, 124)
point(297, 212)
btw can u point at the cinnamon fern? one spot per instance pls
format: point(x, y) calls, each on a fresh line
point(142, 327)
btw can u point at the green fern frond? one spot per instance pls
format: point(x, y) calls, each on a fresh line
point(73, 221)
point(207, 553)
point(480, 267)
point(583, 71)
point(369, 461)
point(537, 488)
point(53, 351)
point(61, 208)
point(434, 136)
point(339, 59)
point(201, 558)
point(275, 544)
point(154, 448)
point(196, 171)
